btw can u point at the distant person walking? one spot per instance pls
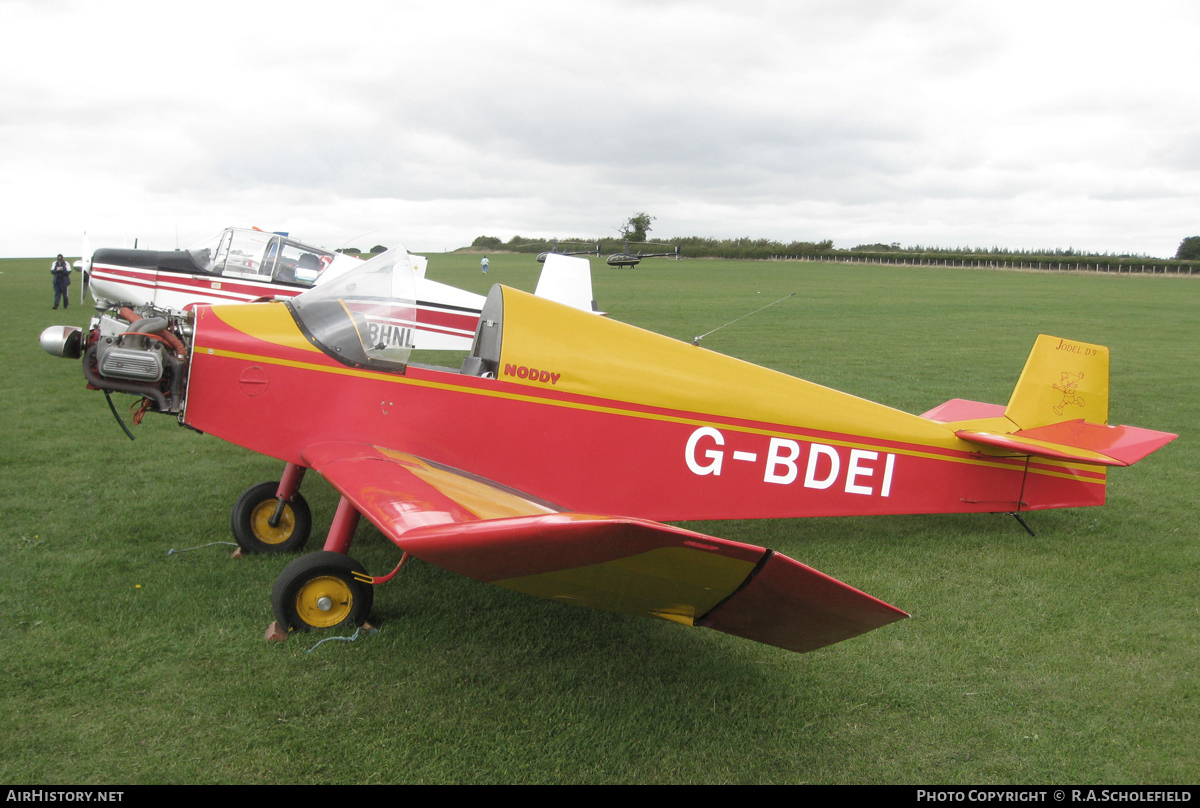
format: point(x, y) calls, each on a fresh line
point(61, 271)
point(483, 265)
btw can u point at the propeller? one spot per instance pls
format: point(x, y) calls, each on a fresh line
point(85, 261)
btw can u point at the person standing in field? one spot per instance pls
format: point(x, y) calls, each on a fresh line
point(483, 265)
point(60, 270)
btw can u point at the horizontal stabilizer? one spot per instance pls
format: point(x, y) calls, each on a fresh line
point(1125, 444)
point(961, 409)
point(1077, 440)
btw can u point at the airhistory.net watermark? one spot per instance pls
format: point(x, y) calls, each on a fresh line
point(52, 795)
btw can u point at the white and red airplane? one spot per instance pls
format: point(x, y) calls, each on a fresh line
point(243, 265)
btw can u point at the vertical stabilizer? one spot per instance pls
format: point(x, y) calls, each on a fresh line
point(1060, 409)
point(568, 280)
point(1063, 380)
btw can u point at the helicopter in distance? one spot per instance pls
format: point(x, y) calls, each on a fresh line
point(629, 258)
point(541, 257)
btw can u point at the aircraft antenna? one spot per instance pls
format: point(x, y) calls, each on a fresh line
point(346, 243)
point(696, 341)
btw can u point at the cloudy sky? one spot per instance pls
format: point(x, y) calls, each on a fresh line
point(933, 122)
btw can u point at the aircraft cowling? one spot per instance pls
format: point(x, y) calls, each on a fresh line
point(196, 261)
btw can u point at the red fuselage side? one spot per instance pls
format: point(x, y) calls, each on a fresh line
point(278, 395)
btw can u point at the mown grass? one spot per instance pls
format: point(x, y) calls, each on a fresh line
point(1069, 657)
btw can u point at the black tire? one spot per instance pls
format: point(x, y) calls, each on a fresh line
point(319, 590)
point(253, 532)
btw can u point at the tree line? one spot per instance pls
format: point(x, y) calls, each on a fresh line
point(1186, 258)
point(691, 246)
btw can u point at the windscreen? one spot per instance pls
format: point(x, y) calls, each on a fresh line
point(366, 317)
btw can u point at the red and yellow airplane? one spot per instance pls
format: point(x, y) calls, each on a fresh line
point(547, 462)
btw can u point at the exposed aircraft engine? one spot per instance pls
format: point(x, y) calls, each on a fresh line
point(140, 350)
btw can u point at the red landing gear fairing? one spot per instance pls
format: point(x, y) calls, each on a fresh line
point(547, 462)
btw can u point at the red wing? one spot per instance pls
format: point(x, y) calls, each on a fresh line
point(493, 534)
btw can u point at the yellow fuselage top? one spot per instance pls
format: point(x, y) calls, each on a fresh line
point(566, 350)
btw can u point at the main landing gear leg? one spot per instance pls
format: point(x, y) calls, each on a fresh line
point(341, 532)
point(289, 486)
point(273, 517)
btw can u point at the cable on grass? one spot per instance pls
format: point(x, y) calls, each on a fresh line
point(172, 551)
point(351, 638)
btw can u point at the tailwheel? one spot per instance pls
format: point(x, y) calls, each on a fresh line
point(256, 528)
point(322, 590)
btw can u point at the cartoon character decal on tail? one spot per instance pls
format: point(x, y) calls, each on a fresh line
point(1070, 391)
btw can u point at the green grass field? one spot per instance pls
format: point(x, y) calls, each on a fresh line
point(1069, 657)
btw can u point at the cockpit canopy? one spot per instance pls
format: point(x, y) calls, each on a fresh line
point(258, 255)
point(365, 317)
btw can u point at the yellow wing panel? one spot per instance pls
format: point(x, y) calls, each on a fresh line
point(483, 499)
point(675, 583)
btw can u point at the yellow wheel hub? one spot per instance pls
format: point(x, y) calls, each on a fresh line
point(325, 601)
point(260, 523)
